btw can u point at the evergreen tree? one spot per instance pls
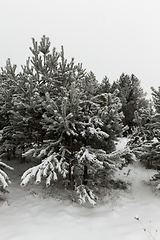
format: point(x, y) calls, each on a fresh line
point(56, 115)
point(90, 85)
point(24, 94)
point(105, 86)
point(114, 86)
point(156, 98)
point(7, 91)
point(78, 126)
point(132, 97)
point(146, 136)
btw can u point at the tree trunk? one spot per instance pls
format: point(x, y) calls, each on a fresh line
point(85, 175)
point(70, 174)
point(14, 152)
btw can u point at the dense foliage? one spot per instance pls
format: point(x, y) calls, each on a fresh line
point(145, 141)
point(132, 98)
point(57, 114)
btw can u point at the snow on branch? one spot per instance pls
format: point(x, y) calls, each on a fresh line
point(86, 195)
point(98, 132)
point(4, 179)
point(47, 169)
point(119, 158)
point(29, 153)
point(85, 155)
point(6, 166)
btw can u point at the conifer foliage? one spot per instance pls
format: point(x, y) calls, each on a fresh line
point(146, 136)
point(4, 179)
point(132, 97)
point(149, 149)
point(56, 116)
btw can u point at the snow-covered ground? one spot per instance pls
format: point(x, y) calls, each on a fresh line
point(32, 213)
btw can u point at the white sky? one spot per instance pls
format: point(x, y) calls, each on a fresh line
point(108, 36)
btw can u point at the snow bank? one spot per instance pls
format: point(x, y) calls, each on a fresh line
point(36, 213)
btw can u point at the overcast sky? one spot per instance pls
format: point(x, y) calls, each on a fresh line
point(109, 37)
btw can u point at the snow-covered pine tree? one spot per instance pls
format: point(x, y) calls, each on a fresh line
point(132, 97)
point(90, 85)
point(154, 154)
point(105, 86)
point(143, 120)
point(7, 91)
point(154, 151)
point(73, 149)
point(6, 106)
point(146, 136)
point(75, 121)
point(34, 83)
point(24, 94)
point(15, 131)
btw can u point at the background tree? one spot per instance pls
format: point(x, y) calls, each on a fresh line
point(7, 91)
point(146, 136)
point(105, 86)
point(132, 97)
point(90, 85)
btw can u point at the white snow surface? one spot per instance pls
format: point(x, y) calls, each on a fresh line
point(36, 213)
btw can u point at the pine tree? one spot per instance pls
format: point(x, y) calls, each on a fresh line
point(146, 136)
point(24, 94)
point(78, 126)
point(56, 116)
point(7, 91)
point(132, 97)
point(90, 85)
point(105, 86)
